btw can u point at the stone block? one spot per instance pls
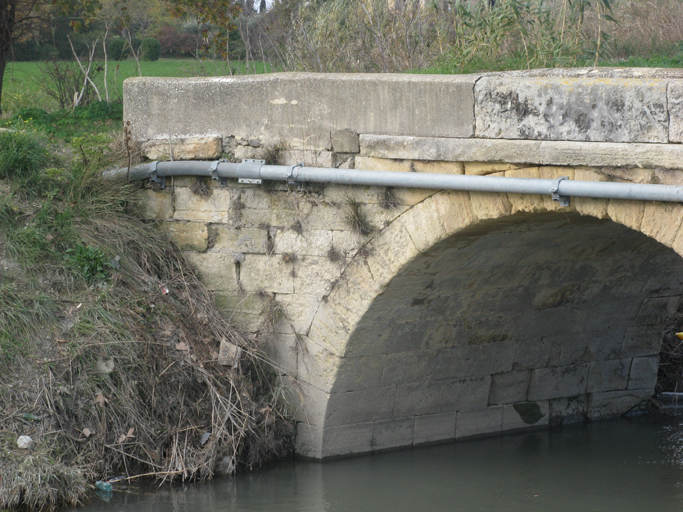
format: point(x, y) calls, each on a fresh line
point(390, 250)
point(662, 221)
point(316, 364)
point(294, 312)
point(675, 101)
point(559, 382)
point(628, 213)
point(348, 439)
point(190, 148)
point(272, 216)
point(313, 275)
point(244, 311)
point(343, 161)
point(479, 422)
point(643, 373)
point(471, 360)
point(356, 373)
point(266, 273)
point(454, 209)
point(308, 157)
point(215, 270)
point(347, 243)
point(608, 375)
point(642, 340)
point(309, 440)
point(464, 394)
point(576, 109)
point(566, 411)
point(189, 236)
point(489, 205)
point(525, 415)
point(418, 398)
point(451, 149)
point(530, 203)
point(307, 402)
point(307, 243)
point(533, 354)
point(509, 387)
point(405, 367)
point(393, 433)
point(487, 168)
point(615, 403)
point(330, 329)
point(434, 427)
point(345, 141)
point(424, 226)
point(235, 239)
point(657, 311)
point(214, 208)
point(611, 154)
point(324, 216)
point(360, 406)
point(155, 204)
point(282, 350)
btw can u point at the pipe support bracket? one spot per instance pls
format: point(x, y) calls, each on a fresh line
point(555, 194)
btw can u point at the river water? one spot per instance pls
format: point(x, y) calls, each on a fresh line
point(624, 465)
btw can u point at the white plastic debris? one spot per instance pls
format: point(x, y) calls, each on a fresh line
point(24, 442)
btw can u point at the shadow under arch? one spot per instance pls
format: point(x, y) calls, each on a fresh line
point(488, 325)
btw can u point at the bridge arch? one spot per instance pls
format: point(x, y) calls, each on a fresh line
point(476, 313)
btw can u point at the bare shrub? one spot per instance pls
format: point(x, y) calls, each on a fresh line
point(61, 80)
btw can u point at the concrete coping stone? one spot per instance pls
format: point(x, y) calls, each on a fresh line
point(532, 152)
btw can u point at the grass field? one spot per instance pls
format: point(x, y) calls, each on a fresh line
point(24, 84)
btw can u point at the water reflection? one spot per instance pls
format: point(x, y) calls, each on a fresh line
point(627, 465)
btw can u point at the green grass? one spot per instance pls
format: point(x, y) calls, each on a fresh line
point(22, 81)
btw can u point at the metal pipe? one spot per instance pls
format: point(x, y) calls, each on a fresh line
point(560, 189)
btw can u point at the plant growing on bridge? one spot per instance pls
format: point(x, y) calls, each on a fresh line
point(357, 219)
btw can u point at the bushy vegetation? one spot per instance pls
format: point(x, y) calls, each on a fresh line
point(150, 49)
point(108, 342)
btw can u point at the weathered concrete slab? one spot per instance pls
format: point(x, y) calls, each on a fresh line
point(675, 101)
point(301, 108)
point(576, 109)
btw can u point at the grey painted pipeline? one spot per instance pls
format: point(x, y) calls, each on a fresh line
point(300, 174)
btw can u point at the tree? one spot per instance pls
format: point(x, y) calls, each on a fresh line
point(21, 17)
point(211, 13)
point(17, 17)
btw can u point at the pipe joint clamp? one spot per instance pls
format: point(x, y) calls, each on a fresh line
point(161, 180)
point(222, 182)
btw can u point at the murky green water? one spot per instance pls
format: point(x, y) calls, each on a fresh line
point(625, 465)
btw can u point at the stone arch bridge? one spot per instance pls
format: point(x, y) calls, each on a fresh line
point(401, 317)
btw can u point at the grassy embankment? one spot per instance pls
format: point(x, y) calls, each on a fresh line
point(108, 342)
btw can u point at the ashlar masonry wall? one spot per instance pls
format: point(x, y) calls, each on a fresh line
point(402, 317)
